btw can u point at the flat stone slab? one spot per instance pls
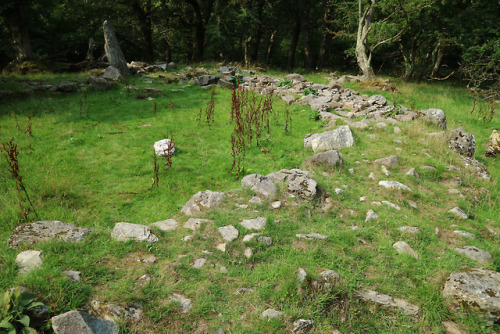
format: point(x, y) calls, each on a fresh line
point(389, 302)
point(260, 184)
point(254, 224)
point(464, 234)
point(312, 235)
point(297, 181)
point(166, 225)
point(477, 289)
point(128, 231)
point(459, 213)
point(271, 314)
point(31, 233)
point(403, 248)
point(82, 323)
point(391, 161)
point(203, 201)
point(29, 260)
point(394, 185)
point(194, 224)
point(475, 254)
point(229, 233)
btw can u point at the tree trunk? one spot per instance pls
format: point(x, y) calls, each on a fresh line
point(113, 51)
point(256, 38)
point(439, 59)
point(324, 35)
point(294, 40)
point(200, 20)
point(17, 19)
point(270, 47)
point(90, 51)
point(306, 38)
point(143, 14)
point(363, 55)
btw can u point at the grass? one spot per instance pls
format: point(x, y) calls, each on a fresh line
point(90, 163)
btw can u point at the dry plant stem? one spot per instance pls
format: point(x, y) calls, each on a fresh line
point(156, 179)
point(28, 128)
point(167, 155)
point(172, 105)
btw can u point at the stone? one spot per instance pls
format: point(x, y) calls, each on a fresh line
point(435, 116)
point(112, 73)
point(198, 263)
point(297, 181)
point(117, 313)
point(289, 99)
point(254, 224)
point(276, 205)
point(194, 224)
point(164, 147)
point(329, 159)
point(268, 241)
point(477, 289)
point(271, 314)
point(477, 168)
point(391, 161)
point(372, 176)
point(82, 323)
point(351, 171)
point(206, 80)
point(458, 213)
point(464, 234)
point(309, 138)
point(296, 77)
point(394, 185)
point(172, 65)
point(260, 184)
point(337, 139)
point(370, 215)
point(301, 275)
point(413, 172)
point(409, 229)
point(223, 270)
point(462, 142)
point(493, 147)
point(72, 276)
point(221, 247)
point(203, 201)
point(186, 303)
point(166, 225)
point(100, 84)
point(188, 238)
point(31, 233)
point(327, 280)
point(389, 302)
point(229, 233)
point(255, 200)
point(248, 253)
point(403, 248)
point(475, 254)
point(397, 129)
point(113, 51)
point(127, 231)
point(392, 205)
point(312, 235)
point(302, 326)
point(385, 170)
point(378, 100)
point(29, 260)
point(66, 87)
point(452, 328)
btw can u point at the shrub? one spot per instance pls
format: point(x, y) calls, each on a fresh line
point(14, 306)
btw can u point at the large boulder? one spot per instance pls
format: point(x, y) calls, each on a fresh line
point(297, 182)
point(462, 142)
point(202, 201)
point(127, 231)
point(333, 140)
point(31, 233)
point(113, 51)
point(477, 289)
point(73, 322)
point(329, 159)
point(493, 147)
point(260, 184)
point(435, 116)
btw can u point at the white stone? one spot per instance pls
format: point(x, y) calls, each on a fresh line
point(127, 231)
point(392, 205)
point(370, 215)
point(271, 314)
point(166, 225)
point(409, 229)
point(459, 213)
point(221, 247)
point(254, 224)
point(198, 263)
point(164, 147)
point(249, 237)
point(186, 303)
point(394, 185)
point(29, 260)
point(228, 233)
point(403, 248)
point(276, 205)
point(465, 234)
point(248, 252)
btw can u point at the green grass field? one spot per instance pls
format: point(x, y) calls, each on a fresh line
point(90, 163)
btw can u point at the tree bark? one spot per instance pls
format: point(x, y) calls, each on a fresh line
point(17, 19)
point(294, 40)
point(439, 59)
point(270, 47)
point(363, 55)
point(306, 38)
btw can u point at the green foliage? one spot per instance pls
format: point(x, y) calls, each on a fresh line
point(313, 115)
point(14, 308)
point(286, 83)
point(310, 90)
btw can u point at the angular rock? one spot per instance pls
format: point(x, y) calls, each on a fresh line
point(186, 303)
point(370, 215)
point(297, 181)
point(301, 275)
point(127, 231)
point(464, 234)
point(248, 253)
point(72, 276)
point(31, 233)
point(459, 213)
point(249, 237)
point(378, 100)
point(391, 161)
point(389, 302)
point(394, 185)
point(327, 280)
point(333, 140)
point(198, 263)
point(312, 235)
point(203, 201)
point(435, 116)
point(268, 241)
point(477, 168)
point(112, 73)
point(194, 224)
point(475, 254)
point(254, 224)
point(289, 99)
point(228, 233)
point(413, 172)
point(276, 204)
point(309, 138)
point(117, 313)
point(100, 84)
point(462, 142)
point(271, 314)
point(296, 77)
point(329, 159)
point(403, 248)
point(164, 147)
point(113, 51)
point(392, 205)
point(493, 147)
point(302, 326)
point(260, 184)
point(29, 260)
point(82, 323)
point(206, 80)
point(452, 328)
point(166, 225)
point(477, 289)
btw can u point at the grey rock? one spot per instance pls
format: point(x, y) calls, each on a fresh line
point(112, 73)
point(113, 51)
point(289, 99)
point(394, 185)
point(452, 328)
point(186, 303)
point(276, 204)
point(409, 229)
point(391, 161)
point(389, 302)
point(327, 280)
point(100, 84)
point(302, 326)
point(370, 215)
point(459, 213)
point(464, 234)
point(301, 275)
point(254, 224)
point(477, 289)
point(65, 87)
point(475, 254)
point(206, 80)
point(297, 181)
point(164, 147)
point(203, 201)
point(462, 142)
point(392, 205)
point(198, 263)
point(29, 260)
point(477, 168)
point(172, 65)
point(435, 116)
point(249, 237)
point(403, 248)
point(255, 200)
point(117, 313)
point(166, 225)
point(493, 147)
point(194, 224)
point(271, 314)
point(268, 241)
point(329, 159)
point(378, 100)
point(309, 138)
point(229, 233)
point(82, 323)
point(72, 276)
point(127, 231)
point(31, 233)
point(413, 172)
point(296, 77)
point(333, 140)
point(312, 235)
point(260, 184)
point(248, 253)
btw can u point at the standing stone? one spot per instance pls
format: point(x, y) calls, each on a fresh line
point(462, 142)
point(113, 51)
point(82, 323)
